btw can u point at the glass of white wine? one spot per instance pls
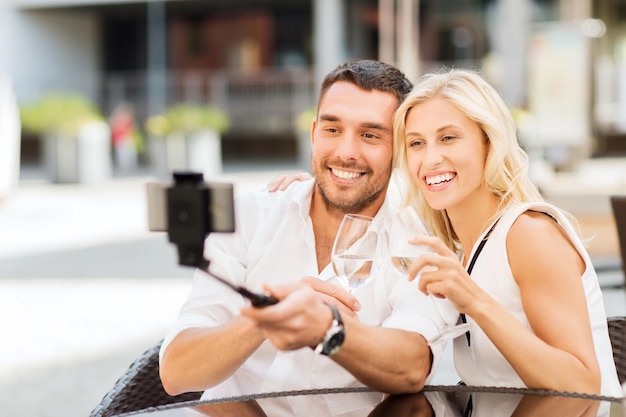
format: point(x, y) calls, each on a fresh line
point(403, 225)
point(356, 252)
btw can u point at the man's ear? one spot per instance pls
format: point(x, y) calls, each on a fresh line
point(313, 127)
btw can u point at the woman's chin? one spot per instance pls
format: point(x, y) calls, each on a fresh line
point(436, 204)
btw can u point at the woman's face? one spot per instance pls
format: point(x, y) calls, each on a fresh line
point(446, 153)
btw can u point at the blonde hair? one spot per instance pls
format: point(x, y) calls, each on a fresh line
point(506, 167)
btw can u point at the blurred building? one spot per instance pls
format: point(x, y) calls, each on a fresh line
point(561, 64)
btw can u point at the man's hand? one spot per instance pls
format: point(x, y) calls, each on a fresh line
point(301, 318)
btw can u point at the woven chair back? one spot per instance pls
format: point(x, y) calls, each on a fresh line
point(618, 204)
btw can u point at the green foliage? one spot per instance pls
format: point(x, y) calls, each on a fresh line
point(188, 118)
point(58, 112)
point(303, 122)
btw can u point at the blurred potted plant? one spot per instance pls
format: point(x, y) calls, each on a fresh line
point(191, 135)
point(303, 132)
point(75, 137)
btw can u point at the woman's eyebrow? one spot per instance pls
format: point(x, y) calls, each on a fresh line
point(438, 131)
point(447, 127)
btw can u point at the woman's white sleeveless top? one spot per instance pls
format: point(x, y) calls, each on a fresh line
point(481, 363)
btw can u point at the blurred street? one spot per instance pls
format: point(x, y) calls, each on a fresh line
point(85, 288)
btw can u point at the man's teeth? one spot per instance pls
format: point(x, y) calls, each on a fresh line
point(345, 174)
point(438, 179)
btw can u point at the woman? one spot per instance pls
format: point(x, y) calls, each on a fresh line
point(533, 301)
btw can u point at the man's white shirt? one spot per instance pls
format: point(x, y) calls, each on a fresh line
point(274, 243)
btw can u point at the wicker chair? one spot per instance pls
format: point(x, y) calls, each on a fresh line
point(140, 388)
point(617, 333)
point(618, 203)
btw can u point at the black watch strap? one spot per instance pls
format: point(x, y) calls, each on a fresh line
point(334, 337)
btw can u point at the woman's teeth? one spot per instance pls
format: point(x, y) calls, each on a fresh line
point(439, 179)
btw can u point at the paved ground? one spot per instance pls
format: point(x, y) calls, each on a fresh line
point(85, 289)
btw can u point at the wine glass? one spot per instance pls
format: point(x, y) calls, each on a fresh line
point(403, 225)
point(356, 252)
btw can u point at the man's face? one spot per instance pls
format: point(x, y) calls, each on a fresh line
point(352, 141)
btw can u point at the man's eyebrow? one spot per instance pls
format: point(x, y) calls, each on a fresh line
point(368, 125)
point(324, 117)
point(328, 117)
point(376, 126)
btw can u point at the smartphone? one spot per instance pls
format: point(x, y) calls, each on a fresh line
point(211, 204)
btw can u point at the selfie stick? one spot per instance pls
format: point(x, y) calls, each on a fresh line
point(188, 203)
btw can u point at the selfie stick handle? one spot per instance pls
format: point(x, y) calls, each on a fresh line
point(256, 299)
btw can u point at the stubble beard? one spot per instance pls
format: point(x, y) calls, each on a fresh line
point(351, 203)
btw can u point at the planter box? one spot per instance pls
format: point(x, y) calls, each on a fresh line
point(10, 144)
point(304, 151)
point(85, 158)
point(199, 151)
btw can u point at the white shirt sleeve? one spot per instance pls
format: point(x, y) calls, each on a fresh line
point(414, 311)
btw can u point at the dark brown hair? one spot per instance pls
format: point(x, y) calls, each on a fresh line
point(369, 75)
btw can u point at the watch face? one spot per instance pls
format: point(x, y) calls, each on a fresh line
point(334, 336)
point(334, 343)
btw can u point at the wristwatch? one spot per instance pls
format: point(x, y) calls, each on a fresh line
point(334, 337)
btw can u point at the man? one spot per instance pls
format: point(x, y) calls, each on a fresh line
point(376, 336)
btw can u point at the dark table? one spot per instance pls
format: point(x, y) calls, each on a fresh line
point(440, 401)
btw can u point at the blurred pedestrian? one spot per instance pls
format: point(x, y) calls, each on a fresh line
point(124, 138)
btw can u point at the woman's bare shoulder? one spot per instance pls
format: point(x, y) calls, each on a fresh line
point(537, 244)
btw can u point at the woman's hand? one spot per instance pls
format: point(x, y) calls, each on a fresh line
point(443, 275)
point(281, 181)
